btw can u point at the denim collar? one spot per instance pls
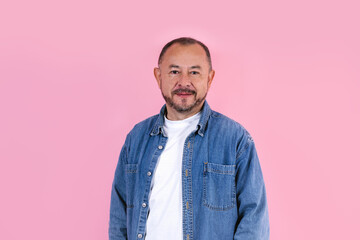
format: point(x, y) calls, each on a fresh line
point(159, 124)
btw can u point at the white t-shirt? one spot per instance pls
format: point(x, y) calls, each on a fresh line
point(165, 200)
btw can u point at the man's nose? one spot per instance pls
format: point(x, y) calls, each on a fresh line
point(184, 80)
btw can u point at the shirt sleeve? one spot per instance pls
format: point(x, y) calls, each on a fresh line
point(253, 222)
point(117, 223)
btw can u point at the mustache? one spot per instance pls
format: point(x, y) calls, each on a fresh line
point(183, 90)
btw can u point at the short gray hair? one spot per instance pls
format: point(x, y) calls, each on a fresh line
point(186, 41)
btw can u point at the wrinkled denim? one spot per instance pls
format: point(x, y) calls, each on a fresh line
point(223, 191)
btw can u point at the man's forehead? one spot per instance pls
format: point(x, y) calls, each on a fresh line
point(189, 49)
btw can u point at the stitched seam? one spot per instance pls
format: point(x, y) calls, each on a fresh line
point(230, 172)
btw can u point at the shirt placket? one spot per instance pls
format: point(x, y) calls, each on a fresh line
point(187, 188)
point(148, 178)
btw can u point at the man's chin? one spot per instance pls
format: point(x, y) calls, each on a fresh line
point(185, 106)
point(182, 105)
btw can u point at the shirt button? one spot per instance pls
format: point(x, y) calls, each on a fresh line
point(139, 235)
point(149, 173)
point(160, 147)
point(143, 205)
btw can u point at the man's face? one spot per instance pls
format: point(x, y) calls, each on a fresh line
point(184, 77)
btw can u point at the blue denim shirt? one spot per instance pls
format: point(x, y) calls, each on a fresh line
point(223, 191)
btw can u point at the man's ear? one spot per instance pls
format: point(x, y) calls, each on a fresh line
point(211, 77)
point(157, 75)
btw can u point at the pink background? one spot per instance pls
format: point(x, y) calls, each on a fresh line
point(75, 76)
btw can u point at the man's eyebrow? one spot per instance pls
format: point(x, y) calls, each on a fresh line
point(177, 66)
point(173, 66)
point(196, 66)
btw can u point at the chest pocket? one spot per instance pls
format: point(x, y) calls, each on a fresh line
point(219, 186)
point(131, 173)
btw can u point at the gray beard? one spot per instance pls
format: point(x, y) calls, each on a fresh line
point(182, 109)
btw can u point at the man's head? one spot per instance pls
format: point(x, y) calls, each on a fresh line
point(184, 76)
point(185, 41)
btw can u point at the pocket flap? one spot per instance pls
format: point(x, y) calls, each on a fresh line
point(219, 168)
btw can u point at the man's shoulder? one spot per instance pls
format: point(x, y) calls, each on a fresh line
point(226, 123)
point(229, 130)
point(145, 126)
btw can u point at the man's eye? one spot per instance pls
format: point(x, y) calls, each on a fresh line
point(194, 73)
point(174, 72)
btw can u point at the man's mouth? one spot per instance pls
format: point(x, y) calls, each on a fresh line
point(184, 93)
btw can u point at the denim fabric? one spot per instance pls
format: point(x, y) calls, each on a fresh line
point(222, 184)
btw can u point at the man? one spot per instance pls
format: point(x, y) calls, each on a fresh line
point(188, 172)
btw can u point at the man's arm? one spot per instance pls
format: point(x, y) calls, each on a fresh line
point(117, 223)
point(253, 222)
